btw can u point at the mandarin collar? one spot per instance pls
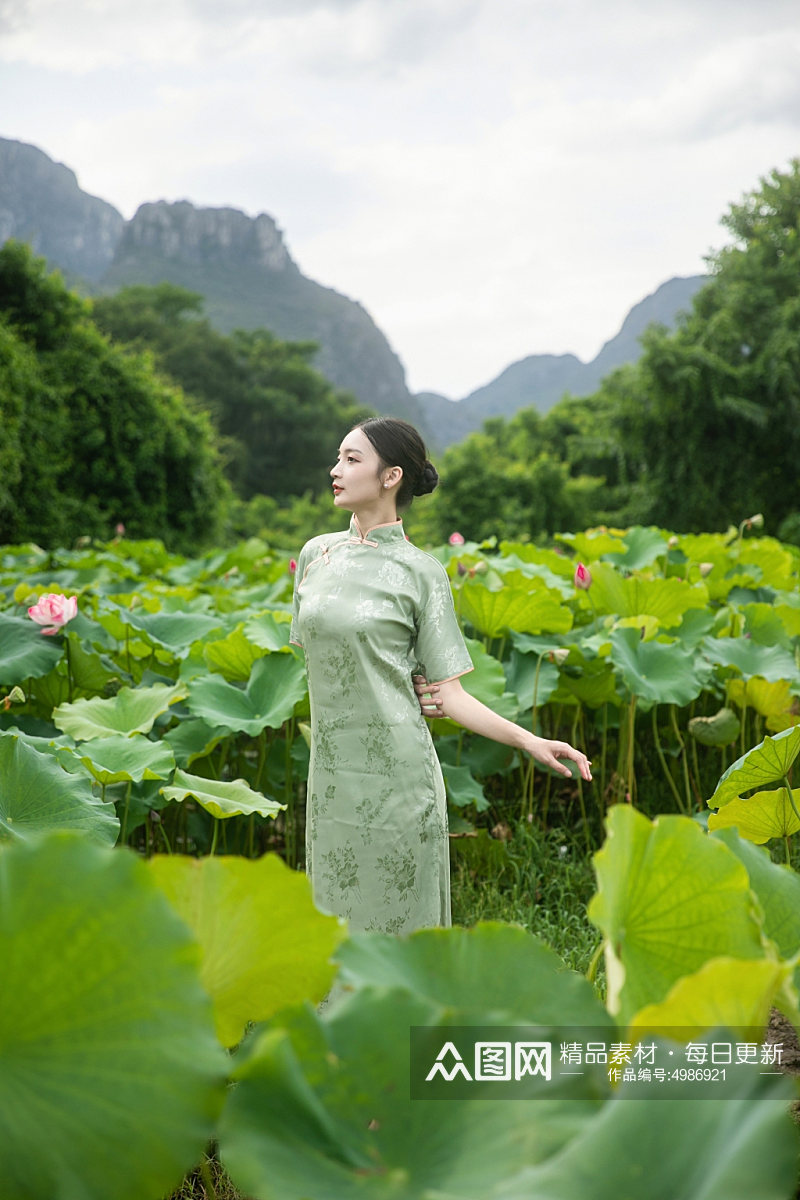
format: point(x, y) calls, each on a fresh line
point(389, 532)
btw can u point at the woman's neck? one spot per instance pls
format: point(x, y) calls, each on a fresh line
point(375, 514)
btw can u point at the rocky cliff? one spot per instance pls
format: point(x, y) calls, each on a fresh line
point(41, 203)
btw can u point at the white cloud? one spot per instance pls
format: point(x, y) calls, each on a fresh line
point(491, 178)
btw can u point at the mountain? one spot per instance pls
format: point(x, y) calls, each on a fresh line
point(540, 380)
point(242, 267)
point(239, 264)
point(41, 203)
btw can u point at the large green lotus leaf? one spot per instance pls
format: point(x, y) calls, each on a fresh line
point(321, 1108)
point(591, 544)
point(90, 671)
point(665, 599)
point(765, 763)
point(762, 816)
point(25, 652)
point(234, 798)
point(270, 630)
point(110, 1074)
point(657, 672)
point(694, 1149)
point(750, 657)
point(525, 605)
point(37, 796)
point(726, 993)
point(594, 686)
point(772, 700)
point(132, 710)
point(193, 739)
point(463, 788)
point(277, 683)
point(719, 730)
point(770, 624)
point(529, 677)
point(778, 890)
point(492, 968)
point(264, 943)
point(232, 656)
point(669, 899)
point(173, 630)
point(641, 548)
point(120, 759)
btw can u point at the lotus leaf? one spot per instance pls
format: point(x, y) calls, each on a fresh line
point(667, 902)
point(111, 1077)
point(132, 710)
point(277, 683)
point(663, 1149)
point(726, 993)
point(657, 672)
point(37, 796)
point(765, 763)
point(232, 657)
point(222, 799)
point(719, 730)
point(321, 1108)
point(463, 788)
point(751, 658)
point(264, 944)
point(668, 600)
point(25, 653)
point(762, 816)
point(524, 605)
point(777, 888)
point(491, 968)
point(120, 759)
point(772, 700)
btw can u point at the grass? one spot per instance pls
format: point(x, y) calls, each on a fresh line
point(542, 880)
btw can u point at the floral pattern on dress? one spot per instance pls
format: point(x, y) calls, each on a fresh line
point(398, 870)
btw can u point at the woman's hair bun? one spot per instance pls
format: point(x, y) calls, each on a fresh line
point(429, 477)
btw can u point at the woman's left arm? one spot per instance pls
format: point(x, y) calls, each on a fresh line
point(451, 700)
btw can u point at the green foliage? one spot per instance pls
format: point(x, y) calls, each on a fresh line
point(91, 437)
point(280, 420)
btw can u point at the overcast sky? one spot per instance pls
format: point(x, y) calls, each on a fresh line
point(490, 178)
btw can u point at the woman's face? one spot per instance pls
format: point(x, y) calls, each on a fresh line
point(357, 476)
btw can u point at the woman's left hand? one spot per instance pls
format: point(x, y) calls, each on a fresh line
point(549, 752)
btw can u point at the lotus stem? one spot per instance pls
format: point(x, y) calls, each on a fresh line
point(69, 671)
point(684, 761)
point(214, 837)
point(591, 970)
point(662, 759)
point(124, 833)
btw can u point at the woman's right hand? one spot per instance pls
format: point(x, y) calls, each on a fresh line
point(430, 702)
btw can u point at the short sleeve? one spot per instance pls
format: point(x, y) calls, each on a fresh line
point(294, 632)
point(440, 647)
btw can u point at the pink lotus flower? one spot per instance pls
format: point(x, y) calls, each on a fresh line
point(292, 565)
point(582, 577)
point(53, 611)
point(456, 539)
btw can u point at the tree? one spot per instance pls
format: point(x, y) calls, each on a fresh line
point(280, 421)
point(90, 436)
point(715, 422)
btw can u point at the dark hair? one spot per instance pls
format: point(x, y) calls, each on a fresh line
point(399, 445)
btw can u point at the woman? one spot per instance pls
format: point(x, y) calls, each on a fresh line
point(371, 610)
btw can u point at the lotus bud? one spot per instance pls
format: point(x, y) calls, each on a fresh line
point(119, 529)
point(705, 568)
point(756, 521)
point(462, 570)
point(673, 541)
point(582, 577)
point(558, 655)
point(456, 539)
point(481, 567)
point(292, 565)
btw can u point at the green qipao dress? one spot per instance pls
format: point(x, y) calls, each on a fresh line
point(370, 610)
